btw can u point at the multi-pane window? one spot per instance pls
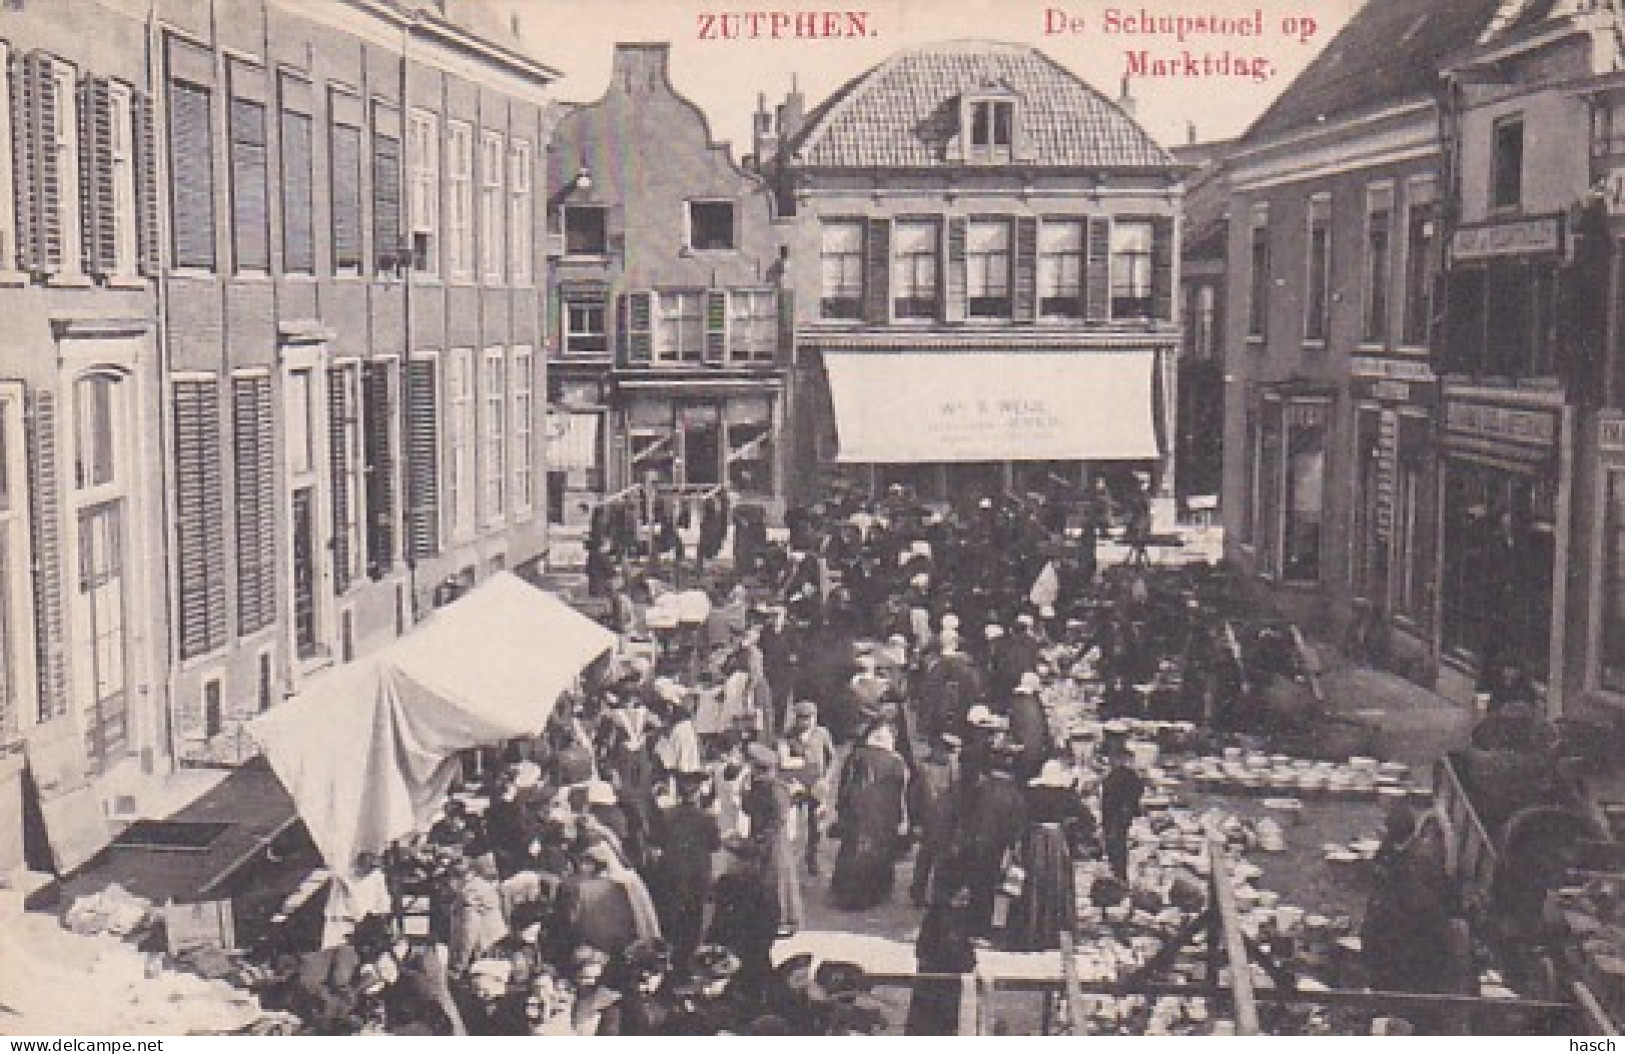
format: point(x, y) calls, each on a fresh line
point(1379, 218)
point(1421, 252)
point(987, 268)
point(1202, 330)
point(992, 129)
point(63, 155)
point(1317, 299)
point(388, 248)
point(585, 330)
point(916, 249)
point(840, 261)
point(679, 326)
point(520, 224)
point(1131, 268)
point(460, 437)
point(460, 200)
point(711, 225)
point(1060, 268)
point(95, 420)
point(191, 166)
point(1506, 164)
point(299, 422)
point(121, 158)
point(423, 190)
point(522, 465)
point(345, 160)
point(298, 206)
point(753, 325)
point(585, 230)
point(250, 189)
point(492, 243)
point(494, 459)
point(1259, 278)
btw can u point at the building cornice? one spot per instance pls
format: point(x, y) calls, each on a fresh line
point(1412, 135)
point(1025, 340)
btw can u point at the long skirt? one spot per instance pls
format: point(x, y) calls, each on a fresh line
point(865, 870)
point(779, 875)
point(1047, 904)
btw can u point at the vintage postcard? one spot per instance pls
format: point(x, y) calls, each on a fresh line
point(915, 518)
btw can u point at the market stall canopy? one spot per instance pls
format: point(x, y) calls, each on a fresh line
point(953, 406)
point(368, 749)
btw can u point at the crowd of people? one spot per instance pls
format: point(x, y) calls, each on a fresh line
point(886, 677)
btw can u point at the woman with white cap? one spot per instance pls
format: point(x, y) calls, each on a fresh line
point(1057, 819)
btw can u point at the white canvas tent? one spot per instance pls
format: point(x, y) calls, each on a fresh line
point(367, 750)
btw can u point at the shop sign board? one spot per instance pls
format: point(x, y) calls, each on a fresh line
point(1536, 237)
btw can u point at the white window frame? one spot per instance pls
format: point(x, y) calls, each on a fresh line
point(494, 434)
point(67, 167)
point(753, 325)
point(568, 332)
point(688, 225)
point(1319, 211)
point(521, 247)
point(1061, 268)
point(522, 457)
point(493, 245)
point(669, 313)
point(840, 270)
point(311, 360)
point(1420, 191)
point(423, 188)
point(460, 201)
point(1379, 197)
point(460, 412)
point(989, 256)
point(121, 106)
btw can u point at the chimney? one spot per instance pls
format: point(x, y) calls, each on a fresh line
point(792, 112)
point(764, 143)
point(640, 68)
point(1126, 100)
point(1190, 133)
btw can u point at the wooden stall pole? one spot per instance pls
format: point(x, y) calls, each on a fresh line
point(1235, 948)
point(1074, 991)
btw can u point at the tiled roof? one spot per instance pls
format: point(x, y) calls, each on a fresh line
point(1389, 52)
point(904, 113)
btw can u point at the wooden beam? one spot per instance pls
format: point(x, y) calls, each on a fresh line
point(1595, 1016)
point(1074, 991)
point(1241, 968)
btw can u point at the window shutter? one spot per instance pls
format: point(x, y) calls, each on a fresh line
point(1162, 268)
point(379, 454)
point(199, 518)
point(636, 311)
point(716, 325)
point(1024, 294)
point(148, 217)
point(253, 453)
point(785, 351)
point(96, 177)
point(877, 271)
point(249, 186)
point(338, 463)
point(191, 175)
point(46, 534)
point(953, 301)
point(298, 248)
point(1097, 278)
point(39, 213)
point(615, 230)
point(422, 461)
point(386, 204)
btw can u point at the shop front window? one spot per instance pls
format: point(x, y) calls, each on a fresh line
point(1305, 495)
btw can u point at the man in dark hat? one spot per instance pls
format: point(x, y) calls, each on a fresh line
point(688, 836)
point(1120, 795)
point(994, 822)
point(934, 807)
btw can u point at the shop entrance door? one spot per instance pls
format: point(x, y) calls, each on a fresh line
point(701, 429)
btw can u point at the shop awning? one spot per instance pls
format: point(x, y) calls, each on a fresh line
point(952, 406)
point(368, 749)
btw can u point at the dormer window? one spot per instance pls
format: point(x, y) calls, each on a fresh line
point(988, 126)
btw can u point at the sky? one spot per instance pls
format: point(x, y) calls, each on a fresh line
point(724, 76)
